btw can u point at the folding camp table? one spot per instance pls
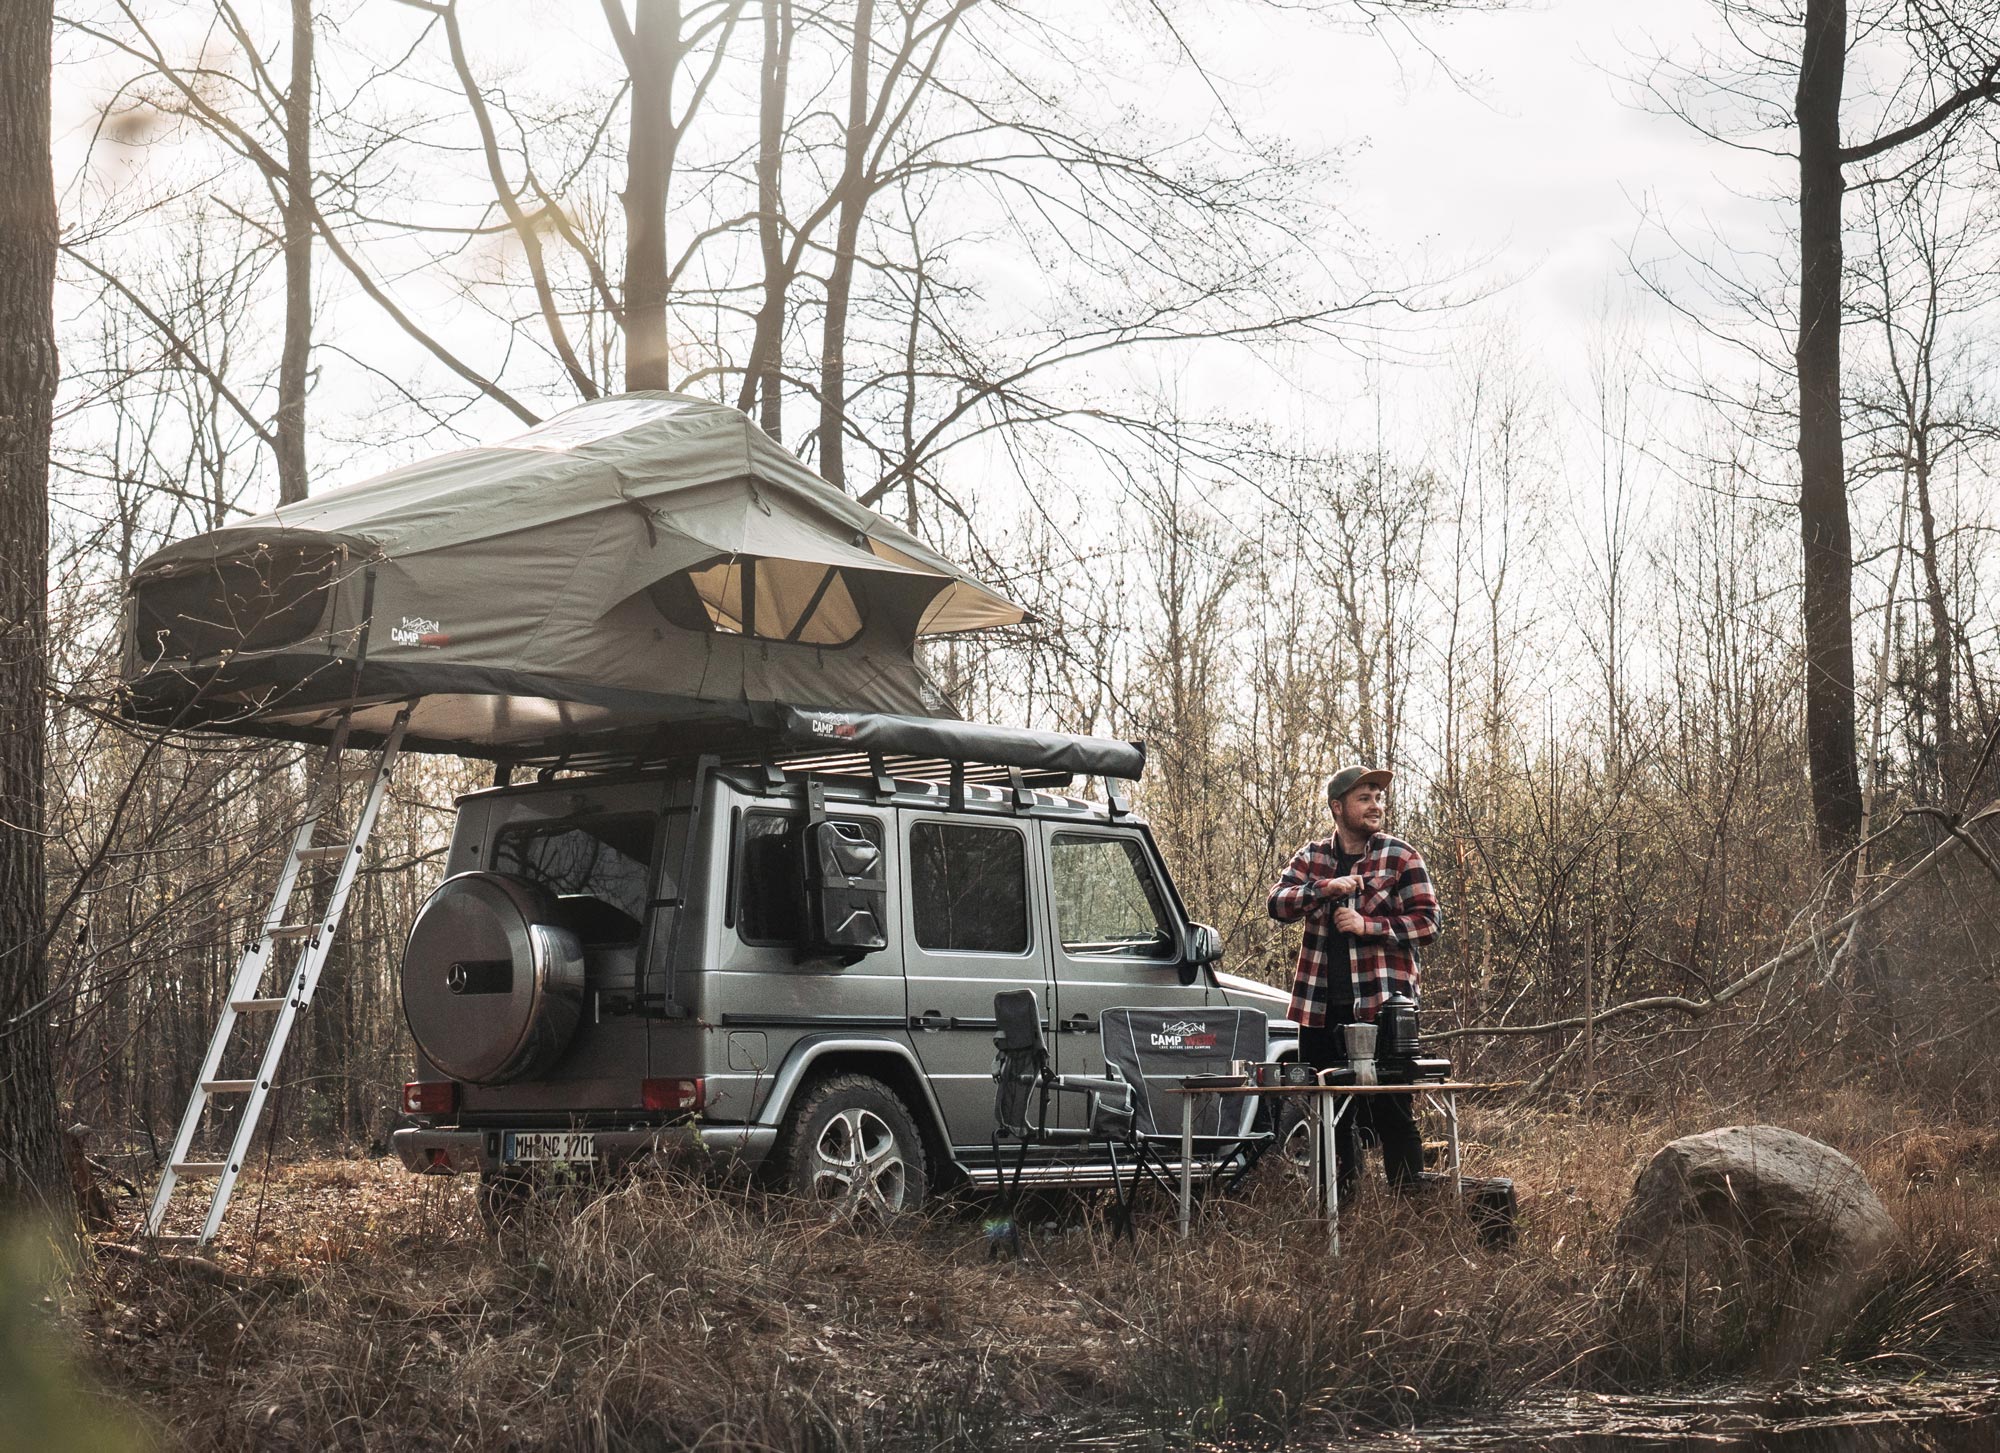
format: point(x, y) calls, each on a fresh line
point(1326, 1104)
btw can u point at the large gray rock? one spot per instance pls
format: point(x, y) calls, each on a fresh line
point(1780, 1191)
point(1759, 1204)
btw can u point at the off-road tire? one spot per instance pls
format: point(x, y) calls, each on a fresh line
point(851, 1145)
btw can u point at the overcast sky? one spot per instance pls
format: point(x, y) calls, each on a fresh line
point(1537, 159)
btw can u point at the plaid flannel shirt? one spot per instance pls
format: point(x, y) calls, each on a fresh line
point(1398, 908)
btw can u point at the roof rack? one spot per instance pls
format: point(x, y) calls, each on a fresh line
point(900, 768)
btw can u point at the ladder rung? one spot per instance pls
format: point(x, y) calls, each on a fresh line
point(200, 1167)
point(354, 771)
point(323, 854)
point(256, 1006)
point(295, 930)
point(229, 1087)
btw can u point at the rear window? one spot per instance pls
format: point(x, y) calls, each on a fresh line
point(969, 888)
point(602, 859)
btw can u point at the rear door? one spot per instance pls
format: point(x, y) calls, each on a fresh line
point(760, 991)
point(1115, 940)
point(592, 845)
point(970, 930)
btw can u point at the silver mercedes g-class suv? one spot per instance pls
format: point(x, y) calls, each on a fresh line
point(787, 962)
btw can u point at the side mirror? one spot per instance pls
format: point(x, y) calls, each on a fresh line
point(847, 898)
point(1204, 946)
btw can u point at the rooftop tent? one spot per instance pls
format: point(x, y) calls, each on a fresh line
point(638, 563)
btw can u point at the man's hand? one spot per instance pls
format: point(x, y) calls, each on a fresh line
point(1339, 887)
point(1347, 921)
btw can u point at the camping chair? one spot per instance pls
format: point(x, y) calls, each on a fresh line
point(1153, 1051)
point(1025, 1085)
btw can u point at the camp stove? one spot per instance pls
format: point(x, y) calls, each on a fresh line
point(1399, 1056)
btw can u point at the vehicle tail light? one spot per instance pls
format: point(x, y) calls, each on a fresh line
point(681, 1097)
point(430, 1097)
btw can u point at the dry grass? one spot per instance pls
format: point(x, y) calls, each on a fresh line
point(668, 1314)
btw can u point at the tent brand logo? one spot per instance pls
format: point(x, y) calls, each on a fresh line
point(1186, 1034)
point(416, 631)
point(831, 726)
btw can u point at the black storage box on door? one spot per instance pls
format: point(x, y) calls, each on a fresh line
point(847, 895)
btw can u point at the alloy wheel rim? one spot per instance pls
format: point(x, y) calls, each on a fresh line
point(858, 1165)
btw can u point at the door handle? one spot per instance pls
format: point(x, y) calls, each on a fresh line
point(930, 1019)
point(1078, 1024)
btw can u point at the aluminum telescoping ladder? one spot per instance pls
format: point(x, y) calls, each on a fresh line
point(314, 936)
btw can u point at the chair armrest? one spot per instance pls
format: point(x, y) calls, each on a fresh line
point(1095, 1084)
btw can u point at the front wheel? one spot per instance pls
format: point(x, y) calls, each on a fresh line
point(852, 1148)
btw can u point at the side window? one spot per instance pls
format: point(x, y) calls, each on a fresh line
point(969, 888)
point(770, 875)
point(1106, 900)
point(598, 864)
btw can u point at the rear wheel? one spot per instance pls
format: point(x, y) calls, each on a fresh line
point(852, 1148)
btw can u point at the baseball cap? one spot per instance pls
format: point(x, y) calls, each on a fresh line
point(1348, 778)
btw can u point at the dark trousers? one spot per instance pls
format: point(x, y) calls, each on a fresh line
point(1391, 1117)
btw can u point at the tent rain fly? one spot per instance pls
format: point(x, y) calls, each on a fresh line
point(639, 566)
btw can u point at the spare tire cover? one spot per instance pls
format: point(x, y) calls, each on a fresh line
point(492, 979)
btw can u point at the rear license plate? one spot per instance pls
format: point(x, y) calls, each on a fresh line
point(548, 1145)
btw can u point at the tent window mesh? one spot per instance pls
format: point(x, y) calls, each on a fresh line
point(767, 600)
point(257, 602)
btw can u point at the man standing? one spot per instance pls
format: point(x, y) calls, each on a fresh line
point(1367, 903)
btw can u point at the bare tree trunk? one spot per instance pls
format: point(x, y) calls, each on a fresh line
point(31, 1164)
point(840, 282)
point(762, 380)
point(295, 359)
point(1944, 634)
point(1823, 518)
point(655, 51)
